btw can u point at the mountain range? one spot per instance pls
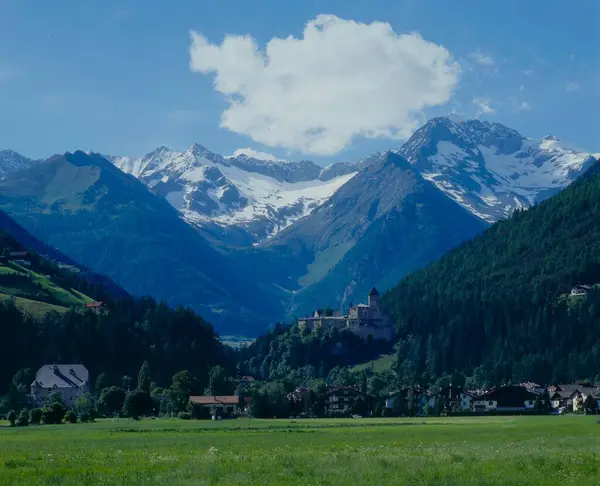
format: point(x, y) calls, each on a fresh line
point(247, 242)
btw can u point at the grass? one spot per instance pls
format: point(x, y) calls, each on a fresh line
point(444, 451)
point(33, 288)
point(34, 307)
point(382, 363)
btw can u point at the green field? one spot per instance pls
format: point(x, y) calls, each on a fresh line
point(461, 451)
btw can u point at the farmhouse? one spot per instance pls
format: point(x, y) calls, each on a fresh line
point(71, 380)
point(217, 406)
point(364, 320)
point(345, 399)
point(509, 398)
point(565, 396)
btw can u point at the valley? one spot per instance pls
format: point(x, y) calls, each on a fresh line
point(249, 242)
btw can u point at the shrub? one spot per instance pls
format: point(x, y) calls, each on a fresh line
point(85, 417)
point(137, 403)
point(71, 417)
point(184, 416)
point(12, 417)
point(23, 418)
point(35, 415)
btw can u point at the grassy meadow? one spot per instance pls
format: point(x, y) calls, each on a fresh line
point(444, 451)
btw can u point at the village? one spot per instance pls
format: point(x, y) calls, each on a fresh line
point(72, 381)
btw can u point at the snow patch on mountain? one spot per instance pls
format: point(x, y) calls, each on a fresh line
point(490, 169)
point(11, 161)
point(261, 196)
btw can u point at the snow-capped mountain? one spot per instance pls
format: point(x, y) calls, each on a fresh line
point(12, 161)
point(259, 197)
point(490, 169)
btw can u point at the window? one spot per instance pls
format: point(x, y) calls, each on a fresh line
point(490, 403)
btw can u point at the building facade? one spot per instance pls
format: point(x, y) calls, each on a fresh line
point(364, 320)
point(71, 380)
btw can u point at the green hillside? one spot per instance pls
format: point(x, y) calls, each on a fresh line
point(37, 287)
point(493, 307)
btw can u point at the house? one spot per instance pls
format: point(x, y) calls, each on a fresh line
point(217, 406)
point(96, 307)
point(71, 380)
point(453, 397)
point(564, 396)
point(509, 398)
point(580, 290)
point(364, 320)
point(421, 401)
point(345, 399)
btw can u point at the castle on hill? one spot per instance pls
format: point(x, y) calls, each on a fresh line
point(364, 320)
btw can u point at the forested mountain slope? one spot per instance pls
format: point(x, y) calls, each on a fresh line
point(114, 341)
point(498, 304)
point(87, 208)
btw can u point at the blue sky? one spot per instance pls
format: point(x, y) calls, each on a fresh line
point(115, 76)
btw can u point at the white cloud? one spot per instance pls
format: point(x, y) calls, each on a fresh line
point(528, 72)
point(572, 86)
point(523, 106)
point(484, 106)
point(340, 80)
point(522, 88)
point(255, 154)
point(483, 59)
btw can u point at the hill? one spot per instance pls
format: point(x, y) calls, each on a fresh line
point(87, 208)
point(493, 307)
point(37, 285)
point(43, 319)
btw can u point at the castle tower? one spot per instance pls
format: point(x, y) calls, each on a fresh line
point(374, 298)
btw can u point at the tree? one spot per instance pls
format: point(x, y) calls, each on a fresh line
point(23, 418)
point(71, 417)
point(111, 400)
point(183, 385)
point(137, 403)
point(101, 383)
point(22, 379)
point(53, 413)
point(589, 404)
point(218, 382)
point(126, 382)
point(85, 404)
point(55, 397)
point(35, 415)
point(12, 417)
point(144, 378)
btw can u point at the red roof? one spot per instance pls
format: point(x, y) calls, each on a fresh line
point(94, 305)
point(215, 400)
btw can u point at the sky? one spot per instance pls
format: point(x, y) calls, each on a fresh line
point(321, 80)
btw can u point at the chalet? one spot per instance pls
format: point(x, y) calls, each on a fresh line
point(71, 380)
point(580, 290)
point(218, 406)
point(345, 399)
point(509, 398)
point(564, 396)
point(455, 398)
